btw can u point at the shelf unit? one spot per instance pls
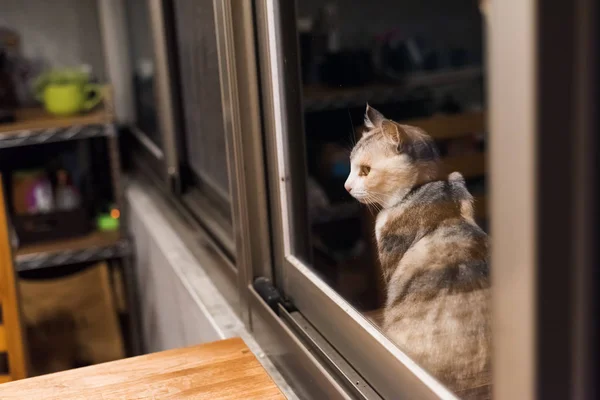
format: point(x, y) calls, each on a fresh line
point(36, 127)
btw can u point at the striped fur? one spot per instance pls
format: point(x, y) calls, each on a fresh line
point(434, 257)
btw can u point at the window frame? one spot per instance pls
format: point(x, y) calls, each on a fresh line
point(214, 209)
point(513, 214)
point(207, 230)
point(161, 161)
point(545, 61)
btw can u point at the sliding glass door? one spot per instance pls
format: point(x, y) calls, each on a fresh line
point(477, 77)
point(419, 65)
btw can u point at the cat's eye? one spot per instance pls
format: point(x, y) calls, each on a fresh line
point(364, 170)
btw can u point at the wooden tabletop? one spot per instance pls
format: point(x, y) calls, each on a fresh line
point(226, 369)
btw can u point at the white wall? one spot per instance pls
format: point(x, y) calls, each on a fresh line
point(172, 314)
point(61, 32)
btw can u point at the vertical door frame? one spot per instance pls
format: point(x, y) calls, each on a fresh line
point(512, 123)
point(234, 24)
point(543, 90)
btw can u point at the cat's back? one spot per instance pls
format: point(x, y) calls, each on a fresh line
point(433, 226)
point(438, 292)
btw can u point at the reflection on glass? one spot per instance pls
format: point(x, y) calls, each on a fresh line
point(143, 63)
point(418, 64)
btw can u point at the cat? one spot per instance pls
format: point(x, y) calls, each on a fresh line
point(433, 256)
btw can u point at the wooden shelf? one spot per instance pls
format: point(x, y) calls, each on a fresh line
point(93, 247)
point(93, 239)
point(36, 126)
point(469, 165)
point(442, 127)
point(320, 98)
point(338, 212)
point(32, 119)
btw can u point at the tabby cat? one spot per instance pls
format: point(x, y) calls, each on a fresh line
point(433, 255)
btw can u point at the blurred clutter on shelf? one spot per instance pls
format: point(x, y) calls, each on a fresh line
point(62, 203)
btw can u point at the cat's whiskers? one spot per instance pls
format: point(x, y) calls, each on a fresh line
point(378, 197)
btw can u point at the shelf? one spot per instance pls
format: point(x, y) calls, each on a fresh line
point(93, 247)
point(35, 126)
point(337, 212)
point(321, 98)
point(442, 127)
point(469, 165)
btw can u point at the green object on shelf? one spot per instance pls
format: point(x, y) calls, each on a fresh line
point(106, 223)
point(67, 91)
point(69, 98)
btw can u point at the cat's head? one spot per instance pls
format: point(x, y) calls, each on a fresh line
point(389, 159)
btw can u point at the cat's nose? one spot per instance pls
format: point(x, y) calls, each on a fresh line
point(348, 187)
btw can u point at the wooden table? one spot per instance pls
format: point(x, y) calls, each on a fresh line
point(226, 369)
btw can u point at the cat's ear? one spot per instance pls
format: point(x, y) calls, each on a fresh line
point(373, 118)
point(394, 133)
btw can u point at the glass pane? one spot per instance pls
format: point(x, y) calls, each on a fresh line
point(390, 229)
point(201, 92)
point(142, 58)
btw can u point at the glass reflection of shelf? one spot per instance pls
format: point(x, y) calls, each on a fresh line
point(320, 98)
point(337, 212)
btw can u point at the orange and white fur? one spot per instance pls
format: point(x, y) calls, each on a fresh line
point(434, 257)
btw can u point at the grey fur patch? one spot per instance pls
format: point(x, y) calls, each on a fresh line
point(459, 278)
point(458, 186)
point(397, 244)
point(464, 229)
point(432, 192)
point(421, 150)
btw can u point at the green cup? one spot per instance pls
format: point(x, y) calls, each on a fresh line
point(65, 99)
